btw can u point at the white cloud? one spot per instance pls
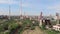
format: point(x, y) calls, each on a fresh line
point(8, 2)
point(26, 5)
point(55, 7)
point(3, 11)
point(3, 1)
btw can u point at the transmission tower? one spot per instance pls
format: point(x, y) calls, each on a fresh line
point(9, 10)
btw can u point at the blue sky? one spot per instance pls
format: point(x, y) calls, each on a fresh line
point(30, 7)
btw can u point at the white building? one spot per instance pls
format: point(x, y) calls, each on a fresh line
point(56, 27)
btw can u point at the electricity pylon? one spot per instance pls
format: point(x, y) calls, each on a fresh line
point(9, 10)
point(20, 4)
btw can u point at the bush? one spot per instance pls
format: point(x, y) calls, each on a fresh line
point(51, 32)
point(1, 28)
point(32, 27)
point(7, 32)
point(13, 26)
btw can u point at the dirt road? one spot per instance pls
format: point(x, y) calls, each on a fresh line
point(36, 31)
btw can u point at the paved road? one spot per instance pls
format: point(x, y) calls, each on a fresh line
point(36, 31)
